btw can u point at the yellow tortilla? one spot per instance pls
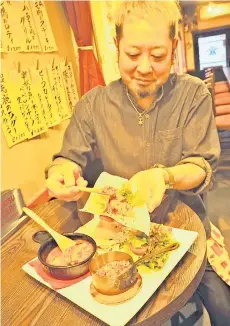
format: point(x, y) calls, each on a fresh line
point(140, 219)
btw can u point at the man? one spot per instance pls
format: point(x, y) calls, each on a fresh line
point(147, 117)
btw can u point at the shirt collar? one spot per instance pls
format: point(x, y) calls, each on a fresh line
point(170, 83)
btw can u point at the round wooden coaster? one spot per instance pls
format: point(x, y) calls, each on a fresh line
point(118, 298)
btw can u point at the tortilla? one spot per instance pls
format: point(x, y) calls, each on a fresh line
point(96, 203)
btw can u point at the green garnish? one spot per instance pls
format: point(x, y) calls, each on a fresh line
point(133, 198)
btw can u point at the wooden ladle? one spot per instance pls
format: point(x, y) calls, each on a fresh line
point(62, 241)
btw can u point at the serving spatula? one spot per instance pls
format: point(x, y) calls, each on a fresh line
point(63, 242)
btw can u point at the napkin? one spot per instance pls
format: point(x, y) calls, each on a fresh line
point(53, 282)
point(140, 219)
point(218, 255)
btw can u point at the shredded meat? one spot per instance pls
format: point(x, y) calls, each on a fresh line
point(71, 256)
point(118, 204)
point(114, 269)
point(110, 191)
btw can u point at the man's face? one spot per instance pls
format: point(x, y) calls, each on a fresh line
point(145, 56)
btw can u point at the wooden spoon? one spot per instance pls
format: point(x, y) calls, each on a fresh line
point(62, 241)
point(91, 190)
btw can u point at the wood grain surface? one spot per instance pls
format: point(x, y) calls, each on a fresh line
point(27, 302)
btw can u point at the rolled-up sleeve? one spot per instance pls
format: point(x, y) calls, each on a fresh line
point(200, 140)
point(79, 137)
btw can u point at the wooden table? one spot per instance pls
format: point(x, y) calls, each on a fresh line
point(27, 302)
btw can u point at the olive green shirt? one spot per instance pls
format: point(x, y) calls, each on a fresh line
point(178, 128)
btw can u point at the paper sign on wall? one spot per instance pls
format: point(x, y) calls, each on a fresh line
point(12, 121)
point(44, 30)
point(10, 42)
point(25, 27)
point(70, 85)
point(57, 87)
point(30, 36)
point(45, 99)
point(19, 32)
point(28, 104)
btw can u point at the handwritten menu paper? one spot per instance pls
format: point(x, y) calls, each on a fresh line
point(19, 32)
point(70, 85)
point(4, 28)
point(43, 91)
point(44, 30)
point(12, 120)
point(27, 24)
point(9, 41)
point(28, 104)
point(58, 91)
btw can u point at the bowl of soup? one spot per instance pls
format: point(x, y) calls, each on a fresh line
point(73, 263)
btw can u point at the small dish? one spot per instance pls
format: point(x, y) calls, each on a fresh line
point(110, 285)
point(65, 272)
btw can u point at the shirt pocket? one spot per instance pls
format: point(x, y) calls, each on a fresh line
point(168, 146)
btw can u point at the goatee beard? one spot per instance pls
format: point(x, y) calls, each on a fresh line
point(144, 94)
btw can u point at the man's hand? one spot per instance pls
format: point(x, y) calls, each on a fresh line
point(151, 184)
point(63, 181)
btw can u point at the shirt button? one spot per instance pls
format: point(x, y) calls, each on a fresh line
point(147, 116)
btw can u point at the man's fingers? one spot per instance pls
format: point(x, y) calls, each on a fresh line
point(65, 185)
point(81, 182)
point(69, 178)
point(137, 185)
point(58, 190)
point(156, 197)
point(68, 197)
point(76, 173)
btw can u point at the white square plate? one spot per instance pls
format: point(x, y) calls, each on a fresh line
point(119, 315)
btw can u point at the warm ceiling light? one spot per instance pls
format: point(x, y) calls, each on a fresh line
point(214, 10)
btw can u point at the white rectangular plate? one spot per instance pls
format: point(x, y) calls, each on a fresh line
point(119, 315)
